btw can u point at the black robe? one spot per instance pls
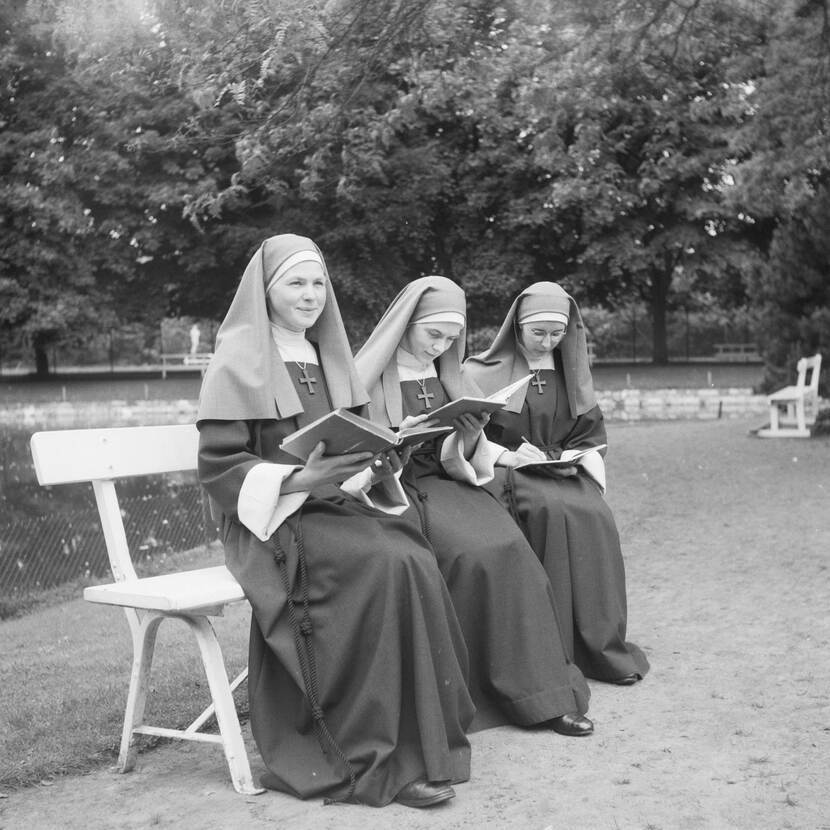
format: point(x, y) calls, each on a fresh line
point(519, 669)
point(388, 653)
point(570, 526)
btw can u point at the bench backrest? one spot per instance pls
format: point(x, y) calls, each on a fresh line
point(102, 455)
point(813, 366)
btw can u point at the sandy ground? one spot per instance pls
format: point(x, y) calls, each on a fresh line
point(729, 594)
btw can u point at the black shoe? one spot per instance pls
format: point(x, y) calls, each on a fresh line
point(627, 680)
point(574, 726)
point(425, 794)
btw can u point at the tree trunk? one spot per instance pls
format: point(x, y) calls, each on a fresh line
point(660, 283)
point(41, 357)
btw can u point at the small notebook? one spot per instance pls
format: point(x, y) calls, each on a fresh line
point(568, 459)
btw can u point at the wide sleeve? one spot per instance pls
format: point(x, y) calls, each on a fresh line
point(477, 469)
point(244, 486)
point(386, 495)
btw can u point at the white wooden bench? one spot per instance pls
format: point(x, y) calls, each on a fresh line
point(199, 360)
point(100, 456)
point(793, 409)
point(737, 352)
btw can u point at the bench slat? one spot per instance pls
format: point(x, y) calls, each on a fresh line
point(74, 455)
point(184, 591)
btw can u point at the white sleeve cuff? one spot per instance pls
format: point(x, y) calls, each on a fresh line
point(261, 506)
point(477, 470)
point(387, 495)
point(496, 452)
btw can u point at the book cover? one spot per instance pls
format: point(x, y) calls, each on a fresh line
point(344, 432)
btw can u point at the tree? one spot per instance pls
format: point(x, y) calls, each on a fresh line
point(782, 175)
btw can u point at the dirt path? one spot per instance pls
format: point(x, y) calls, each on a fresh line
point(728, 556)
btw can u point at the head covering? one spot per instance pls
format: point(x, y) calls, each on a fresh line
point(376, 363)
point(504, 361)
point(446, 305)
point(246, 378)
point(544, 308)
point(288, 264)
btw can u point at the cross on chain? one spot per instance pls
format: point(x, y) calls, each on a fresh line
point(425, 397)
point(307, 380)
point(538, 383)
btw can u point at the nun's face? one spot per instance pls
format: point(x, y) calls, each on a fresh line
point(426, 341)
point(541, 338)
point(297, 299)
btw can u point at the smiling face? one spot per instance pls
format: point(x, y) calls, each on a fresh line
point(541, 338)
point(297, 299)
point(426, 341)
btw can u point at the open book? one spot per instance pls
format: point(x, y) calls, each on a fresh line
point(567, 459)
point(444, 415)
point(344, 432)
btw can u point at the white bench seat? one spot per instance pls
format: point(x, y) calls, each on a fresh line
point(182, 592)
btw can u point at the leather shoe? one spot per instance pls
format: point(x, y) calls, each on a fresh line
point(425, 793)
point(574, 726)
point(626, 680)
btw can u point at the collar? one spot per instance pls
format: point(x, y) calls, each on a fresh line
point(292, 345)
point(409, 368)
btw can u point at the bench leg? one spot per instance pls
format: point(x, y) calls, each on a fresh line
point(226, 717)
point(773, 418)
point(799, 415)
point(143, 628)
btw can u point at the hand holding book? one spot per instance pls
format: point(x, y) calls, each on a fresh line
point(446, 414)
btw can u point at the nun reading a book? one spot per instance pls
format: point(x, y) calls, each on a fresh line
point(561, 509)
point(520, 672)
point(357, 663)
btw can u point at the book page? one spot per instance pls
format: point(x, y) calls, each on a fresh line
point(507, 392)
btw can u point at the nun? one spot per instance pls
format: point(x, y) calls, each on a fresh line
point(357, 664)
point(562, 511)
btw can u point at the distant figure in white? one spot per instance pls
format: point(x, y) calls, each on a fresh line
point(195, 334)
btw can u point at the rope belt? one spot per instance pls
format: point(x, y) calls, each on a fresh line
point(303, 630)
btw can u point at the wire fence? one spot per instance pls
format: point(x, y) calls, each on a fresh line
point(46, 551)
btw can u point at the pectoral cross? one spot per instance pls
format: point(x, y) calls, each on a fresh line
point(538, 383)
point(307, 380)
point(424, 395)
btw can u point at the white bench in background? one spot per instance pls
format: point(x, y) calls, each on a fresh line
point(737, 352)
point(793, 409)
point(100, 456)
